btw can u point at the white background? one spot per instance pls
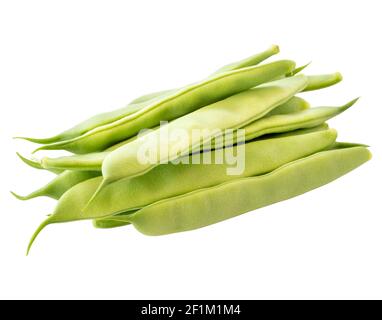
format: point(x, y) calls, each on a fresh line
point(62, 61)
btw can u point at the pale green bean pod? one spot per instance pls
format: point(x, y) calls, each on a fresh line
point(115, 221)
point(323, 81)
point(139, 103)
point(308, 118)
point(247, 62)
point(164, 181)
point(60, 184)
point(250, 61)
point(232, 113)
point(93, 161)
point(36, 164)
point(207, 206)
point(174, 106)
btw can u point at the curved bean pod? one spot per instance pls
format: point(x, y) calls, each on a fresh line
point(321, 127)
point(82, 162)
point(141, 102)
point(120, 220)
point(93, 161)
point(129, 194)
point(67, 179)
point(91, 123)
point(295, 104)
point(260, 157)
point(298, 70)
point(247, 62)
point(315, 82)
point(36, 164)
point(250, 61)
point(323, 81)
point(112, 222)
point(231, 113)
point(211, 205)
point(313, 118)
point(176, 105)
point(287, 122)
point(60, 184)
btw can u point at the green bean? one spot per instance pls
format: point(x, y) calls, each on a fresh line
point(323, 81)
point(93, 161)
point(250, 61)
point(280, 123)
point(204, 207)
point(315, 82)
point(293, 120)
point(247, 62)
point(287, 122)
point(129, 194)
point(82, 162)
point(87, 162)
point(60, 184)
point(36, 164)
point(342, 145)
point(139, 103)
point(176, 105)
point(298, 70)
point(231, 113)
point(321, 127)
point(295, 104)
point(61, 164)
point(120, 163)
point(115, 221)
point(91, 123)
point(112, 222)
point(259, 158)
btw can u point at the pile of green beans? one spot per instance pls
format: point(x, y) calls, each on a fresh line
point(288, 149)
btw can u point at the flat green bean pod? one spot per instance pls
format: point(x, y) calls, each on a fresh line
point(321, 127)
point(294, 104)
point(87, 162)
point(64, 179)
point(141, 102)
point(204, 207)
point(115, 221)
point(91, 123)
point(60, 184)
point(173, 106)
point(314, 83)
point(112, 222)
point(93, 161)
point(247, 62)
point(298, 70)
point(36, 164)
point(323, 81)
point(129, 194)
point(287, 122)
point(120, 163)
point(231, 113)
point(250, 61)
